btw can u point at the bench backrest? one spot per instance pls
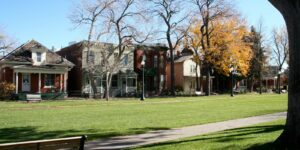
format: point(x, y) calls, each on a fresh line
point(33, 96)
point(72, 143)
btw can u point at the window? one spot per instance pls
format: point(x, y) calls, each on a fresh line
point(38, 56)
point(114, 81)
point(161, 62)
point(193, 85)
point(193, 69)
point(49, 79)
point(126, 59)
point(131, 82)
point(155, 82)
point(155, 61)
point(92, 57)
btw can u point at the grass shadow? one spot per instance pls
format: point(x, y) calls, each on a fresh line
point(18, 134)
point(232, 135)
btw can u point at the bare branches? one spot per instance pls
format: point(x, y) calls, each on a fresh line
point(281, 47)
point(174, 19)
point(113, 20)
point(6, 43)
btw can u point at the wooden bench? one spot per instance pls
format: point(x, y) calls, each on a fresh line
point(33, 97)
point(71, 143)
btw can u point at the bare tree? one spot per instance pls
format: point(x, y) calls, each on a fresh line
point(90, 13)
point(5, 43)
point(112, 20)
point(280, 50)
point(207, 12)
point(172, 14)
point(122, 26)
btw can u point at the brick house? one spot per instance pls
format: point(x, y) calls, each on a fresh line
point(185, 69)
point(155, 67)
point(123, 82)
point(35, 69)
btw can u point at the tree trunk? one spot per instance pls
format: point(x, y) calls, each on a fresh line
point(260, 82)
point(290, 138)
point(218, 83)
point(252, 84)
point(93, 86)
point(108, 83)
point(278, 83)
point(208, 82)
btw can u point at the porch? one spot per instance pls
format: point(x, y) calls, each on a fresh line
point(50, 83)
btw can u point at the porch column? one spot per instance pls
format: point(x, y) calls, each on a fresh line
point(40, 84)
point(17, 82)
point(61, 83)
point(14, 77)
point(126, 90)
point(65, 82)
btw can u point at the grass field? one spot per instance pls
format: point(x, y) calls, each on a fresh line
point(258, 137)
point(97, 119)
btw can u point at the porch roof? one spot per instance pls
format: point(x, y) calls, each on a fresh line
point(40, 69)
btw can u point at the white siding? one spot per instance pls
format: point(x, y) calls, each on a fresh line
point(34, 58)
point(188, 68)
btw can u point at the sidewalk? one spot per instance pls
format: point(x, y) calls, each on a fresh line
point(151, 137)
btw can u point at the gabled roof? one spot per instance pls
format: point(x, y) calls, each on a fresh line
point(183, 58)
point(187, 52)
point(22, 54)
point(270, 72)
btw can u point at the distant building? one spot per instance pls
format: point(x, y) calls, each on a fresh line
point(269, 78)
point(35, 69)
point(155, 67)
point(185, 72)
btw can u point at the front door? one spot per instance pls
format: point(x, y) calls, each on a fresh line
point(26, 82)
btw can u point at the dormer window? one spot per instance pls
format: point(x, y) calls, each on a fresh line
point(38, 56)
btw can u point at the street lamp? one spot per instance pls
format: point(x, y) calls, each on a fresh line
point(232, 72)
point(278, 81)
point(275, 79)
point(143, 78)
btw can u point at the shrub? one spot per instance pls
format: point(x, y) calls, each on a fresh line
point(6, 90)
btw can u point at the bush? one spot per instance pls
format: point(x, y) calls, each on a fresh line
point(6, 90)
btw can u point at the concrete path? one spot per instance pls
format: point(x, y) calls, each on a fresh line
point(151, 137)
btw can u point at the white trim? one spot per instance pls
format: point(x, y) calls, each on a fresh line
point(40, 71)
point(65, 82)
point(61, 83)
point(17, 82)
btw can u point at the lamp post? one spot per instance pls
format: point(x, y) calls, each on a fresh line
point(275, 87)
point(278, 81)
point(143, 79)
point(232, 72)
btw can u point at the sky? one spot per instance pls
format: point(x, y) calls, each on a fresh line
point(47, 20)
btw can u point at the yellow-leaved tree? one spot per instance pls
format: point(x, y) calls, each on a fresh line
point(228, 47)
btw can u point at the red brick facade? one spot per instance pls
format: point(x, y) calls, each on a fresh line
point(155, 67)
point(8, 76)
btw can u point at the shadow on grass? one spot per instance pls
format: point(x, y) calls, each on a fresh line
point(232, 135)
point(18, 134)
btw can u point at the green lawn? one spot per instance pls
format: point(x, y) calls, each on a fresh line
point(97, 119)
point(258, 137)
